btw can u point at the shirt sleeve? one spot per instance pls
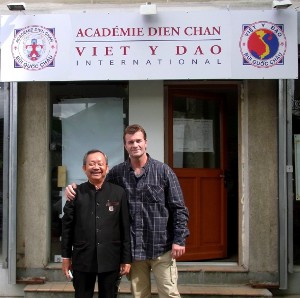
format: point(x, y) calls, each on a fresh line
point(178, 210)
point(126, 245)
point(67, 229)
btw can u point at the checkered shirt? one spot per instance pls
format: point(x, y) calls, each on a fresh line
point(158, 213)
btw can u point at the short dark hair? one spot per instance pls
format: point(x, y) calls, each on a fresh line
point(94, 151)
point(132, 129)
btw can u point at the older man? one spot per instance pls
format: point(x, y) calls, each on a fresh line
point(95, 232)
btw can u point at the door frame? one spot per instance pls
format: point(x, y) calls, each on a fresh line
point(214, 244)
point(243, 188)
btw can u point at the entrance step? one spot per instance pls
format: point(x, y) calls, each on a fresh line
point(65, 290)
point(187, 274)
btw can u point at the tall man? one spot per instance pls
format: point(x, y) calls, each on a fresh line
point(95, 231)
point(158, 214)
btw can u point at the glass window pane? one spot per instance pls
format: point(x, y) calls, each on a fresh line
point(196, 133)
point(84, 118)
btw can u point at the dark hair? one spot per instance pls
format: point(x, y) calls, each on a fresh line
point(94, 151)
point(132, 129)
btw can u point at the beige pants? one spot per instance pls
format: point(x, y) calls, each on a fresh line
point(165, 273)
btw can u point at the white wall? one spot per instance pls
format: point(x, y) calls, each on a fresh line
point(146, 107)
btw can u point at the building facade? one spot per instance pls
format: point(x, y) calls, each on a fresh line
point(232, 140)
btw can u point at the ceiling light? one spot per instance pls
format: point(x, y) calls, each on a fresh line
point(16, 6)
point(281, 3)
point(148, 9)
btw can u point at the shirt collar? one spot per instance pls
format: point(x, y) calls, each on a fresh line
point(146, 166)
point(92, 186)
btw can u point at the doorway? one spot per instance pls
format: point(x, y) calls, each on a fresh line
point(203, 152)
point(85, 116)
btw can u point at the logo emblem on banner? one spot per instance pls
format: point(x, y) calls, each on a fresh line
point(34, 48)
point(263, 44)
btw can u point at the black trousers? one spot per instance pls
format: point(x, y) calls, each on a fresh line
point(84, 284)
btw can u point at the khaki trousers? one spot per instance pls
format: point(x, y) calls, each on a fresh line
point(165, 273)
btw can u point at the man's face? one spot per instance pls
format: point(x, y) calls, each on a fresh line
point(95, 167)
point(135, 144)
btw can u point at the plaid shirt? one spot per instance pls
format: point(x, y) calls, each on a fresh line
point(158, 214)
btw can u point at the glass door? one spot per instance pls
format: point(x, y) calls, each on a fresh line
point(85, 116)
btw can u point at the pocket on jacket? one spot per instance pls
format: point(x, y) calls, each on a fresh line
point(80, 245)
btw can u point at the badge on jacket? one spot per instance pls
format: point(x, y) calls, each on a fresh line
point(111, 204)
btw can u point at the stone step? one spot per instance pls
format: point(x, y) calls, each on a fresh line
point(187, 274)
point(65, 290)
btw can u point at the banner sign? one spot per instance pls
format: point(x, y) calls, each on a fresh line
point(203, 44)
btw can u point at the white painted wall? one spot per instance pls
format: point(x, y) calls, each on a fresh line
point(146, 107)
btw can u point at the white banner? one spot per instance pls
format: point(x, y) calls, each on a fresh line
point(208, 44)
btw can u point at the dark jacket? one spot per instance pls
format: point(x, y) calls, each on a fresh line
point(96, 225)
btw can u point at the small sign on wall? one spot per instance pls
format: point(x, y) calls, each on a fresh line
point(61, 176)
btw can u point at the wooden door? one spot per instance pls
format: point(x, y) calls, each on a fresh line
point(196, 139)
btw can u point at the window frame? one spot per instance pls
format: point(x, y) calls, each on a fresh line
point(9, 96)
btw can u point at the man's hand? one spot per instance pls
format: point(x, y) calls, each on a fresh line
point(124, 269)
point(70, 192)
point(177, 251)
point(66, 266)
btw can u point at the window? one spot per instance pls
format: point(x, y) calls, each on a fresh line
point(85, 116)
